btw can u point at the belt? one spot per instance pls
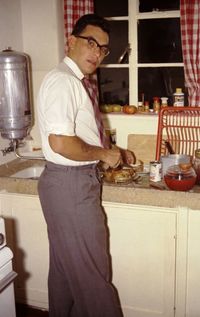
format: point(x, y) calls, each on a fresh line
point(67, 167)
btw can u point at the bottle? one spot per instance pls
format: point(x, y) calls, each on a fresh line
point(196, 165)
point(164, 102)
point(140, 106)
point(146, 106)
point(156, 104)
point(178, 98)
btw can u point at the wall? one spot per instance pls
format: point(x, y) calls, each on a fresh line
point(36, 28)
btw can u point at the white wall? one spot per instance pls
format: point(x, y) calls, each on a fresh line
point(35, 27)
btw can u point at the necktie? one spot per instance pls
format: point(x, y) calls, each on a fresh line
point(92, 91)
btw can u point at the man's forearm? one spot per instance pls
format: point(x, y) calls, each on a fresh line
point(74, 148)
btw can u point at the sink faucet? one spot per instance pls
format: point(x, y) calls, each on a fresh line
point(11, 148)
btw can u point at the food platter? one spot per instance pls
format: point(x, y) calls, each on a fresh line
point(121, 175)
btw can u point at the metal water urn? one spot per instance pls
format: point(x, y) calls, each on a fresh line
point(15, 97)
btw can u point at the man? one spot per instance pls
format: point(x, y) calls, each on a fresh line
point(69, 189)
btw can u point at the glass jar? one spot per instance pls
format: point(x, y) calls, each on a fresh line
point(164, 102)
point(181, 177)
point(196, 165)
point(156, 104)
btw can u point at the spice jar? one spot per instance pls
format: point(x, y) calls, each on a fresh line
point(146, 106)
point(140, 106)
point(164, 102)
point(156, 104)
point(178, 98)
point(196, 165)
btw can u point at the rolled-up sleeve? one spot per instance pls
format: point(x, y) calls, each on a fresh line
point(60, 106)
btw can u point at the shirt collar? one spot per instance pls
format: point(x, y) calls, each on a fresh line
point(74, 67)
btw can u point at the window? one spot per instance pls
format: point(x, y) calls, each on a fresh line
point(146, 55)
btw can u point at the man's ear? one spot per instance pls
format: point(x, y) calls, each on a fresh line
point(71, 41)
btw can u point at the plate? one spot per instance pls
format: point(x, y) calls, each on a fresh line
point(121, 175)
point(130, 180)
point(118, 183)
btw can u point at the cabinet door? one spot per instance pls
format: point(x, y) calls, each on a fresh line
point(193, 265)
point(27, 237)
point(142, 244)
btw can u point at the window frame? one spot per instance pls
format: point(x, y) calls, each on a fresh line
point(133, 65)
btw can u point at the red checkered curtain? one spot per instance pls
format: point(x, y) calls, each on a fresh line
point(190, 34)
point(73, 10)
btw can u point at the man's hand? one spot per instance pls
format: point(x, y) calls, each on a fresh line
point(128, 156)
point(113, 158)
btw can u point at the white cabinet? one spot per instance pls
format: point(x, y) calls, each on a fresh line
point(193, 265)
point(142, 241)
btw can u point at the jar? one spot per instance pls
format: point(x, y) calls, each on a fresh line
point(181, 177)
point(156, 104)
point(146, 106)
point(196, 165)
point(140, 106)
point(178, 98)
point(164, 102)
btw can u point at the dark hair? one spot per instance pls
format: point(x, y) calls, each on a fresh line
point(90, 19)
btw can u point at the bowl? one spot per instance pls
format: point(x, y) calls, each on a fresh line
point(181, 177)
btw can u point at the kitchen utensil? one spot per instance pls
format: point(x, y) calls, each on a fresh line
point(169, 147)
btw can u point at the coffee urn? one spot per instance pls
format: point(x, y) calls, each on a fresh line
point(15, 97)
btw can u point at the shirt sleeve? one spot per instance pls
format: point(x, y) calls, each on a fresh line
point(60, 105)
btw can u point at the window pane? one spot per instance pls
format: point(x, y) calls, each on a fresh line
point(113, 86)
point(159, 41)
point(111, 8)
point(160, 82)
point(158, 5)
point(118, 42)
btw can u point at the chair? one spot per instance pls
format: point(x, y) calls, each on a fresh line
point(180, 126)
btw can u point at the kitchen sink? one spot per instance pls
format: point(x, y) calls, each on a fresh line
point(32, 172)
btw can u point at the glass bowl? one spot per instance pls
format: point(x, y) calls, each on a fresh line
point(180, 177)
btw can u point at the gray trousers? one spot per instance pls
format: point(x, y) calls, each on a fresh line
point(79, 269)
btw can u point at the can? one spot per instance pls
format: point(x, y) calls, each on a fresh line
point(155, 171)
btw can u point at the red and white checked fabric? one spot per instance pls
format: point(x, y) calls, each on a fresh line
point(93, 94)
point(73, 10)
point(190, 36)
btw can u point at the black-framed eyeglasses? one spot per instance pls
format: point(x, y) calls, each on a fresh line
point(93, 44)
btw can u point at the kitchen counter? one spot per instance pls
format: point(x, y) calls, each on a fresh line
point(137, 194)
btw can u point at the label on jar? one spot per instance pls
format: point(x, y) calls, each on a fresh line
point(178, 100)
point(155, 171)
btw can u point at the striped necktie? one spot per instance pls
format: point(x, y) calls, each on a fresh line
point(92, 91)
